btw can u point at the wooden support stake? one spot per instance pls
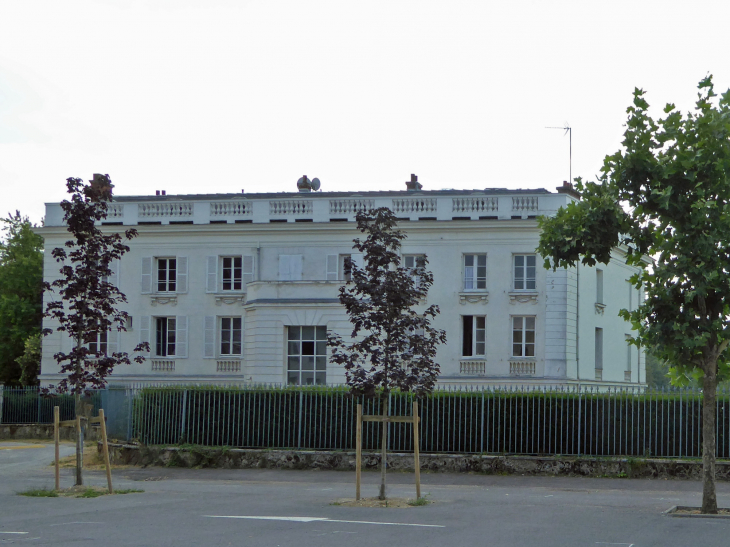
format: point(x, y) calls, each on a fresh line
point(358, 451)
point(56, 439)
point(417, 462)
point(105, 446)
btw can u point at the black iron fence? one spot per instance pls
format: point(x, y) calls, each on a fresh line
point(490, 420)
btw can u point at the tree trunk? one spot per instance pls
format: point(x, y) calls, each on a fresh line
point(79, 442)
point(80, 432)
point(709, 407)
point(383, 447)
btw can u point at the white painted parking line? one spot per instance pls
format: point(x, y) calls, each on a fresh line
point(609, 543)
point(322, 519)
point(13, 532)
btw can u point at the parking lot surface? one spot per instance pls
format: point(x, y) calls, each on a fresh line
point(260, 507)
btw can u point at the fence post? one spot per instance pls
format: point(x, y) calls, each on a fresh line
point(484, 425)
point(580, 420)
point(130, 405)
point(299, 428)
point(183, 417)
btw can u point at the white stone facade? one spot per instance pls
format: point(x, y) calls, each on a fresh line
point(207, 271)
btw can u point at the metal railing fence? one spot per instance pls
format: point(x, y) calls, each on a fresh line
point(28, 405)
point(564, 421)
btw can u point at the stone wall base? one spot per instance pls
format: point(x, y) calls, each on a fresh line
point(11, 432)
point(233, 458)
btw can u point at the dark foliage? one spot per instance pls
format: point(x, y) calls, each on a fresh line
point(394, 345)
point(88, 303)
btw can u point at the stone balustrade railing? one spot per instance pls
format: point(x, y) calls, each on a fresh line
point(522, 368)
point(318, 207)
point(472, 368)
point(228, 365)
point(163, 365)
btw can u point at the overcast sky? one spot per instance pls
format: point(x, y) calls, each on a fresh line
point(201, 96)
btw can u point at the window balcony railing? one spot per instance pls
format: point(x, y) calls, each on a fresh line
point(163, 365)
point(473, 368)
point(522, 368)
point(228, 365)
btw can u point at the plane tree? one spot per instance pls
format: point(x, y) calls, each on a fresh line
point(665, 198)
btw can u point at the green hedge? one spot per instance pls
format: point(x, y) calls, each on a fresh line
point(663, 424)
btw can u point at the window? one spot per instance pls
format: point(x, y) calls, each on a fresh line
point(230, 336)
point(166, 274)
point(474, 335)
point(599, 349)
point(165, 336)
point(628, 353)
point(228, 273)
point(475, 271)
point(412, 262)
point(523, 336)
point(307, 355)
point(344, 267)
point(98, 342)
point(524, 272)
point(599, 286)
point(232, 273)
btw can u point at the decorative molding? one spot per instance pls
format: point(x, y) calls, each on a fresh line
point(600, 308)
point(522, 297)
point(163, 365)
point(229, 299)
point(472, 368)
point(599, 374)
point(522, 368)
point(163, 299)
point(473, 297)
point(228, 365)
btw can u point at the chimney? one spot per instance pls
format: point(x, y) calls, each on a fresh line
point(304, 184)
point(157, 192)
point(567, 188)
point(413, 185)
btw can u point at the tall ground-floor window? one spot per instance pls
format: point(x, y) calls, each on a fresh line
point(523, 336)
point(306, 355)
point(474, 335)
point(165, 336)
point(230, 336)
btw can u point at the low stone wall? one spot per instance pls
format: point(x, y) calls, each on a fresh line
point(10, 432)
point(437, 463)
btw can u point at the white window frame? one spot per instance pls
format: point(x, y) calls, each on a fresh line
point(165, 342)
point(221, 331)
point(163, 264)
point(410, 262)
point(233, 281)
point(297, 354)
point(99, 345)
point(525, 279)
point(471, 273)
point(474, 335)
point(523, 329)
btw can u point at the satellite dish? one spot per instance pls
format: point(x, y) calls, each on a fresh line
point(315, 184)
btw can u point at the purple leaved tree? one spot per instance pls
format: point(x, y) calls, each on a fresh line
point(394, 345)
point(86, 307)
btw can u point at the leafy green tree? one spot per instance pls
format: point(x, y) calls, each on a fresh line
point(21, 292)
point(394, 345)
point(30, 361)
point(666, 195)
point(89, 304)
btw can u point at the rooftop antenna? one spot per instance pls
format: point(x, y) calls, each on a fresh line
point(568, 131)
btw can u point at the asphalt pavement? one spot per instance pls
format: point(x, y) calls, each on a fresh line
point(260, 507)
